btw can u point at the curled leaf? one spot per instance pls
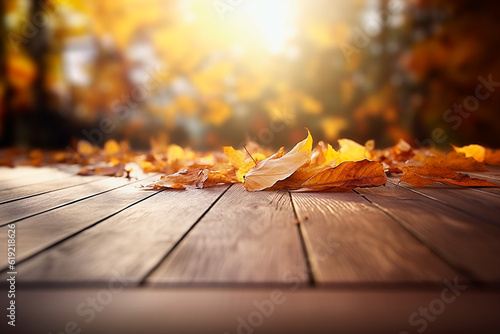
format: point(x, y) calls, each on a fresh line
point(275, 168)
point(185, 178)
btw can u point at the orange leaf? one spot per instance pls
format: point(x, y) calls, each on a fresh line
point(456, 161)
point(492, 157)
point(422, 176)
point(185, 178)
point(346, 176)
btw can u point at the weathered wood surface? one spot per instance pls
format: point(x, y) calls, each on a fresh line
point(219, 311)
point(246, 237)
point(84, 232)
point(27, 207)
point(351, 240)
point(477, 204)
point(132, 242)
point(466, 243)
point(43, 187)
point(359, 261)
point(41, 231)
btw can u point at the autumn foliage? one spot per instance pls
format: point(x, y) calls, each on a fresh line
point(304, 168)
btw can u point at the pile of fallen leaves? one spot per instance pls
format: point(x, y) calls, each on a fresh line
point(303, 168)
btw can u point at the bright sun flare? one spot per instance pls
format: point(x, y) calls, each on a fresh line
point(274, 20)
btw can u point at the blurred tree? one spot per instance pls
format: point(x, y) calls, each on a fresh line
point(452, 45)
point(152, 66)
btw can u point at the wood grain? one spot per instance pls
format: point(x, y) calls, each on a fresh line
point(7, 173)
point(474, 203)
point(18, 210)
point(43, 187)
point(39, 232)
point(219, 311)
point(489, 176)
point(247, 237)
point(493, 173)
point(131, 242)
point(47, 175)
point(466, 243)
point(351, 241)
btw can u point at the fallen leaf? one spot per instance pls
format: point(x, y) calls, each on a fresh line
point(111, 147)
point(351, 151)
point(185, 178)
point(346, 176)
point(492, 157)
point(85, 148)
point(116, 170)
point(455, 161)
point(236, 158)
point(402, 151)
point(422, 176)
point(275, 168)
point(480, 153)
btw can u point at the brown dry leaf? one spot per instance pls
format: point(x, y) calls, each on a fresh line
point(35, 158)
point(402, 151)
point(455, 161)
point(298, 178)
point(492, 157)
point(346, 176)
point(277, 167)
point(422, 176)
point(185, 178)
point(220, 177)
point(116, 170)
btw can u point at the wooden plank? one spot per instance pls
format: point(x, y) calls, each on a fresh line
point(476, 204)
point(136, 239)
point(113, 309)
point(39, 232)
point(18, 210)
point(14, 182)
point(493, 173)
point(22, 171)
point(466, 243)
point(486, 176)
point(351, 241)
point(247, 237)
point(31, 190)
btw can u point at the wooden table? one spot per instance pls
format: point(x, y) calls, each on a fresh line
point(100, 255)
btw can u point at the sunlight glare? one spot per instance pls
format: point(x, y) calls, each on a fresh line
point(274, 20)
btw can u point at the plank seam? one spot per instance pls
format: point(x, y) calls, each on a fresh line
point(47, 191)
point(143, 281)
point(57, 243)
point(471, 214)
point(38, 183)
point(461, 270)
point(73, 202)
point(303, 242)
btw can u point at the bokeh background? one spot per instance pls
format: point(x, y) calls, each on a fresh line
point(205, 73)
